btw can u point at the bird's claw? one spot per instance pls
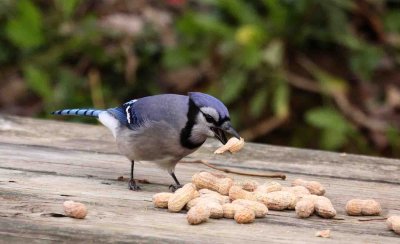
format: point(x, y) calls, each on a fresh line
point(133, 186)
point(173, 188)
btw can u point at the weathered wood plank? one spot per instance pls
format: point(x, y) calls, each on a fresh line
point(261, 157)
point(43, 163)
point(134, 212)
point(109, 167)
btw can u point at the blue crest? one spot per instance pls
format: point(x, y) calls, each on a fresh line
point(205, 100)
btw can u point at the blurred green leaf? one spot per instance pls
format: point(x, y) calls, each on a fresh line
point(194, 24)
point(392, 21)
point(327, 118)
point(240, 10)
point(365, 60)
point(350, 41)
point(250, 35)
point(178, 57)
point(67, 7)
point(281, 100)
point(249, 57)
point(332, 139)
point(38, 81)
point(343, 4)
point(278, 14)
point(258, 102)
point(337, 19)
point(187, 24)
point(393, 136)
point(329, 83)
point(69, 83)
point(335, 128)
point(234, 82)
point(25, 29)
point(211, 24)
point(5, 53)
point(273, 53)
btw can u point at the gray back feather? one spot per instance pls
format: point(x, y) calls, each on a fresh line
point(170, 108)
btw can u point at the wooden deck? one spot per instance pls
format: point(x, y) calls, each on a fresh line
point(43, 163)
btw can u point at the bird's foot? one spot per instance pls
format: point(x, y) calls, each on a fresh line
point(132, 185)
point(173, 188)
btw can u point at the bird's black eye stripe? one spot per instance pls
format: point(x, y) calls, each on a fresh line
point(209, 118)
point(221, 121)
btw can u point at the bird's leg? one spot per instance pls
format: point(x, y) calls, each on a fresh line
point(132, 182)
point(178, 185)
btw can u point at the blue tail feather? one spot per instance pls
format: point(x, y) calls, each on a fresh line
point(79, 112)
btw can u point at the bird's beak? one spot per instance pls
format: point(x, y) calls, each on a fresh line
point(219, 133)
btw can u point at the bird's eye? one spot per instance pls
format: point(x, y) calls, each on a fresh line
point(209, 118)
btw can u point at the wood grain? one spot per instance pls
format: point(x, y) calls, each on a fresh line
point(43, 163)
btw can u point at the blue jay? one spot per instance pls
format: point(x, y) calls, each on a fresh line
point(163, 128)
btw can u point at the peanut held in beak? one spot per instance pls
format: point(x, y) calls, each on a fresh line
point(233, 145)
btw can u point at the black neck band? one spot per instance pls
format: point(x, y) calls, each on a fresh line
point(187, 131)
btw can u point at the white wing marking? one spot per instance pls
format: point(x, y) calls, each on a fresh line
point(128, 117)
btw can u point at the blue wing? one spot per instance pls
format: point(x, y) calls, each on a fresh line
point(170, 108)
point(127, 115)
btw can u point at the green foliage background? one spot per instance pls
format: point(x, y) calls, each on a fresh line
point(305, 73)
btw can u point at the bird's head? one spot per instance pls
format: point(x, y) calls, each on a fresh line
point(213, 117)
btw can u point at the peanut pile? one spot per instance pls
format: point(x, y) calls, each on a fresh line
point(212, 195)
